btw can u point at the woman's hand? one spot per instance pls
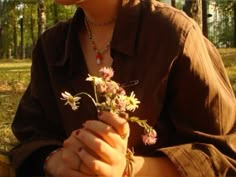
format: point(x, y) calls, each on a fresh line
point(66, 162)
point(106, 145)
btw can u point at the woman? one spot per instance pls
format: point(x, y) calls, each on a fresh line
point(155, 51)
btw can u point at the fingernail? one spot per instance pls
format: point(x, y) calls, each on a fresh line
point(77, 132)
point(100, 113)
point(124, 115)
point(80, 149)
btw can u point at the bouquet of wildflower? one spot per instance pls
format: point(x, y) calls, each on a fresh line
point(110, 96)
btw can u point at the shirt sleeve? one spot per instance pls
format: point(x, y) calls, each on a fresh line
point(36, 127)
point(202, 107)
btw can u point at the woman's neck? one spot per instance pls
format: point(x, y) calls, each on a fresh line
point(100, 11)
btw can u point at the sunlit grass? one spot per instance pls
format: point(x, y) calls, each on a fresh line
point(14, 77)
point(229, 58)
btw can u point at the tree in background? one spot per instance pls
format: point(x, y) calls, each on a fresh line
point(194, 9)
point(197, 9)
point(205, 16)
point(19, 34)
point(234, 6)
point(222, 23)
point(217, 18)
point(22, 30)
point(41, 17)
point(173, 3)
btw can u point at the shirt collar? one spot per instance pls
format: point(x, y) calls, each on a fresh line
point(72, 43)
point(124, 35)
point(126, 28)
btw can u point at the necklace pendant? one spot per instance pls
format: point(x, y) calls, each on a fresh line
point(99, 58)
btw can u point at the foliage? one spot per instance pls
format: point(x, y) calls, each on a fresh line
point(57, 12)
point(221, 17)
point(13, 12)
point(229, 56)
point(14, 77)
point(222, 23)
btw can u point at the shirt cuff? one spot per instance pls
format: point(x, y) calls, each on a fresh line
point(189, 161)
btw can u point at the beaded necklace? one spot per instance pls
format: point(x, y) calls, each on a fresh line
point(100, 52)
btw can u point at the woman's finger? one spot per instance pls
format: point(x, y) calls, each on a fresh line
point(72, 142)
point(105, 131)
point(65, 172)
point(119, 124)
point(70, 159)
point(97, 146)
point(71, 146)
point(85, 169)
point(97, 166)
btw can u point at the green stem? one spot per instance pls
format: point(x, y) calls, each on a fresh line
point(84, 93)
point(142, 123)
point(95, 92)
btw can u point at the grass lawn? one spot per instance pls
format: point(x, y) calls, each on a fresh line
point(14, 77)
point(229, 58)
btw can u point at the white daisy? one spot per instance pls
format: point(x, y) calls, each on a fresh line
point(71, 100)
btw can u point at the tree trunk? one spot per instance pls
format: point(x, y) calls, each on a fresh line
point(15, 37)
point(22, 44)
point(234, 24)
point(1, 42)
point(22, 51)
point(55, 9)
point(41, 17)
point(173, 3)
point(32, 24)
point(204, 17)
point(194, 9)
point(1, 9)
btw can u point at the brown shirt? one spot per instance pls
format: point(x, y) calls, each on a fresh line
point(180, 80)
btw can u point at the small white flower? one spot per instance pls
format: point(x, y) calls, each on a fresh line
point(89, 78)
point(132, 102)
point(72, 101)
point(95, 80)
